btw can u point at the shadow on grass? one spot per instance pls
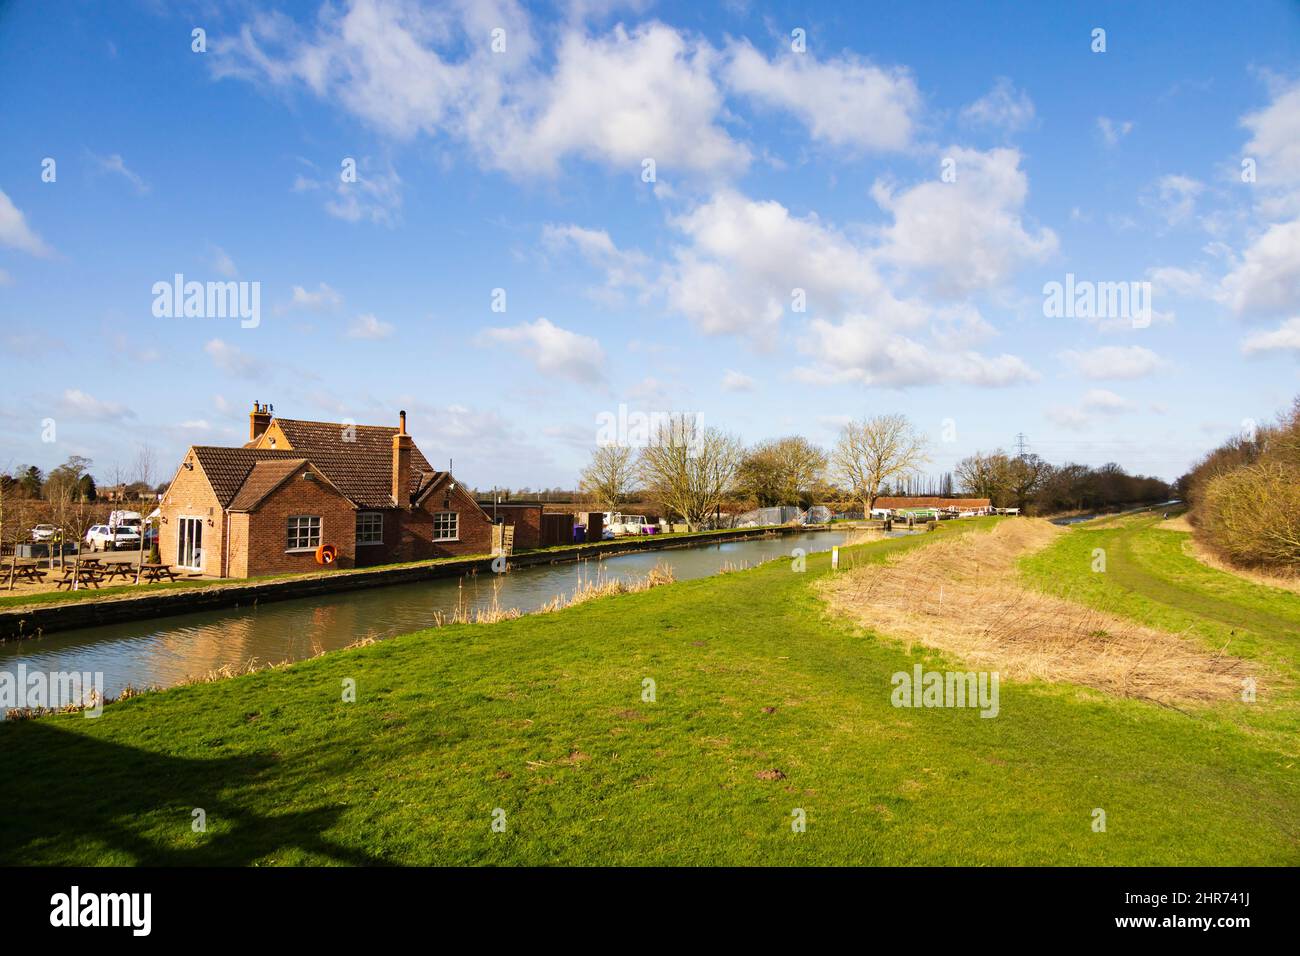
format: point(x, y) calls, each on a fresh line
point(108, 795)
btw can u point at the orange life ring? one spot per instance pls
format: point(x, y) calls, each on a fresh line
point(326, 554)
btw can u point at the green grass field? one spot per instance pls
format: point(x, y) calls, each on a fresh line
point(543, 718)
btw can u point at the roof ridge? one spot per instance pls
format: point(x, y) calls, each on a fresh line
point(310, 421)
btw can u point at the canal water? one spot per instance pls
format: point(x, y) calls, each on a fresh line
point(164, 651)
point(1076, 519)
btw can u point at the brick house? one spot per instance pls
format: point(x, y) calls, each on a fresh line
point(265, 507)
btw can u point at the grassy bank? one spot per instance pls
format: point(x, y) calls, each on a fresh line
point(764, 706)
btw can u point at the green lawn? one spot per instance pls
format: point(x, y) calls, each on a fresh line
point(543, 718)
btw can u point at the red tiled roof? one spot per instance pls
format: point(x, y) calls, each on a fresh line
point(362, 469)
point(962, 504)
point(263, 478)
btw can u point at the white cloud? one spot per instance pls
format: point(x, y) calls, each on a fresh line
point(1114, 362)
point(1174, 281)
point(734, 381)
point(116, 165)
point(1103, 400)
point(223, 264)
point(81, 405)
point(1003, 106)
point(1095, 402)
point(625, 97)
point(623, 268)
point(744, 257)
point(1275, 147)
point(654, 392)
point(745, 264)
point(323, 298)
point(1177, 197)
point(1266, 280)
point(411, 69)
point(14, 231)
point(1112, 131)
point(967, 234)
point(368, 327)
point(375, 195)
point(872, 350)
point(232, 360)
point(553, 350)
point(845, 101)
point(1285, 338)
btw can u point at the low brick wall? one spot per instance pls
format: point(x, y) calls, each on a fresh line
point(45, 619)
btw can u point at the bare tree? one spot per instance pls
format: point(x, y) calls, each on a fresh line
point(782, 471)
point(145, 465)
point(60, 495)
point(80, 518)
point(985, 476)
point(1025, 475)
point(875, 450)
point(608, 476)
point(16, 523)
point(688, 468)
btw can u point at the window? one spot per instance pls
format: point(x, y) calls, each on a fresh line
point(370, 527)
point(446, 526)
point(304, 532)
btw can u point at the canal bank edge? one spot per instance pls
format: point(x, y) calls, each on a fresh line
point(35, 620)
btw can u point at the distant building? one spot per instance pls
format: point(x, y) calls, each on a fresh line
point(295, 486)
point(976, 506)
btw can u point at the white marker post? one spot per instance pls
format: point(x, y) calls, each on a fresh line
point(835, 558)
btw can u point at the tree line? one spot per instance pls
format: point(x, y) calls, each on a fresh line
point(692, 472)
point(73, 478)
point(1245, 494)
point(1035, 486)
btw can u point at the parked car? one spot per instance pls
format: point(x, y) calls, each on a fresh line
point(102, 538)
point(44, 532)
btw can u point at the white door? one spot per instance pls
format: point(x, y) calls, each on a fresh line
point(189, 547)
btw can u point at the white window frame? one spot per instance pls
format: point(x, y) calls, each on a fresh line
point(455, 521)
point(370, 514)
point(320, 533)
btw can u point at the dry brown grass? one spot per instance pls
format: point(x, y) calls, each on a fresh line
point(600, 586)
point(961, 597)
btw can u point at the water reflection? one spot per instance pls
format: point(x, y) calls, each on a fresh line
point(165, 651)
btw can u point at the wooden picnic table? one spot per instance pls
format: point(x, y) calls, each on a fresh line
point(24, 572)
point(75, 575)
point(156, 572)
point(118, 569)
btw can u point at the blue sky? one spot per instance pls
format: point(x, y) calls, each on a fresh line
point(775, 170)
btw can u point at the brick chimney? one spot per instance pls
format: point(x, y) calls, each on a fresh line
point(259, 420)
point(402, 446)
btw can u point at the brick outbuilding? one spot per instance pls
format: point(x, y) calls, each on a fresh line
point(266, 507)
